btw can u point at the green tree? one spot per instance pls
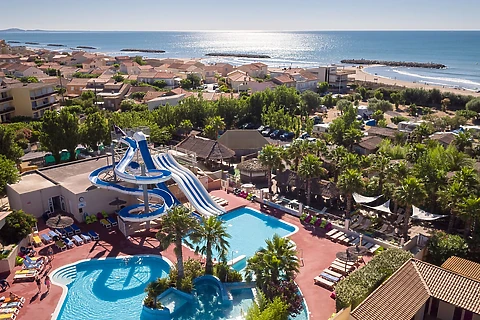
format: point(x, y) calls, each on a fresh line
point(139, 60)
point(343, 104)
point(159, 84)
point(160, 135)
point(95, 130)
point(270, 157)
point(473, 105)
point(60, 131)
point(217, 124)
point(380, 167)
point(29, 79)
point(309, 169)
point(138, 95)
point(311, 100)
point(153, 290)
point(463, 140)
point(442, 246)
point(349, 182)
point(378, 95)
point(396, 98)
point(8, 173)
point(329, 101)
point(8, 147)
point(322, 87)
point(410, 192)
point(274, 263)
point(211, 234)
point(262, 309)
point(363, 92)
point(18, 225)
point(470, 211)
point(450, 198)
point(175, 226)
point(118, 77)
point(185, 127)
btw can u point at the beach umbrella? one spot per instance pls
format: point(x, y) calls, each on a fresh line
point(59, 221)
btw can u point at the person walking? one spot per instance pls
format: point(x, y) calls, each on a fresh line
point(39, 284)
point(48, 283)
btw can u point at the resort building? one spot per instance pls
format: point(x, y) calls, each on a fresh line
point(256, 69)
point(113, 94)
point(151, 77)
point(76, 86)
point(26, 99)
point(419, 290)
point(243, 142)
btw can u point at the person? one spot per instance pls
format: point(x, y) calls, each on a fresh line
point(48, 283)
point(39, 284)
point(14, 297)
point(4, 284)
point(50, 252)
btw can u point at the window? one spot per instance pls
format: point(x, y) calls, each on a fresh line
point(467, 315)
point(457, 314)
point(434, 307)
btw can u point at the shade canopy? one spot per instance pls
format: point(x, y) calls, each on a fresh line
point(117, 202)
point(384, 207)
point(59, 221)
point(420, 214)
point(363, 199)
point(346, 256)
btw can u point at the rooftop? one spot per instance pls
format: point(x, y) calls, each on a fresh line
point(243, 139)
point(31, 181)
point(206, 148)
point(463, 267)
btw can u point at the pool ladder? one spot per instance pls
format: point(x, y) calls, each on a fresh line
point(66, 276)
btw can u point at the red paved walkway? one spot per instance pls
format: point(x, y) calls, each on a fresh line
point(317, 253)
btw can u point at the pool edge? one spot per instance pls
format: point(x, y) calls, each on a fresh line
point(60, 302)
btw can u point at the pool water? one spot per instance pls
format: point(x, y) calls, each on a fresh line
point(105, 289)
point(249, 229)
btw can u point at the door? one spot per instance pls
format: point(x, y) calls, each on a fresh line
point(63, 206)
point(51, 208)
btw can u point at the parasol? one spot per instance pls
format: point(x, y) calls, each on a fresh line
point(358, 250)
point(59, 221)
point(346, 256)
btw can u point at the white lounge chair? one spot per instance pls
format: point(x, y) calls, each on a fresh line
point(366, 224)
point(323, 282)
point(331, 233)
point(78, 241)
point(357, 223)
point(384, 228)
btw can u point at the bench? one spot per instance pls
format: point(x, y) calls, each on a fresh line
point(323, 282)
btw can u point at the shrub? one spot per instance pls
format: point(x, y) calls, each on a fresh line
point(193, 269)
point(263, 309)
point(226, 274)
point(442, 246)
point(153, 290)
point(18, 225)
point(398, 119)
point(356, 287)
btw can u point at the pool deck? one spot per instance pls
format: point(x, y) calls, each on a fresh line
point(317, 253)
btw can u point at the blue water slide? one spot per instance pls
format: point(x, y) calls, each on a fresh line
point(190, 185)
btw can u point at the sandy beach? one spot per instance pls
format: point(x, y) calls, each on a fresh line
point(362, 76)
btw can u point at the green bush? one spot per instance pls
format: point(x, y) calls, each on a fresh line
point(193, 269)
point(398, 119)
point(442, 246)
point(357, 286)
point(18, 261)
point(226, 274)
point(153, 290)
point(18, 225)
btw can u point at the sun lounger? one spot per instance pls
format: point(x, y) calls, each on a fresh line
point(9, 310)
point(33, 263)
point(337, 235)
point(69, 243)
point(61, 245)
point(323, 282)
point(333, 273)
point(329, 277)
point(357, 223)
point(46, 238)
point(105, 223)
point(374, 248)
point(341, 268)
point(27, 274)
point(76, 229)
point(78, 241)
point(350, 263)
point(368, 245)
point(37, 242)
point(355, 241)
point(93, 235)
point(86, 237)
point(366, 224)
point(10, 300)
point(112, 221)
point(61, 232)
point(14, 304)
point(384, 228)
point(69, 231)
point(8, 316)
point(399, 219)
point(351, 238)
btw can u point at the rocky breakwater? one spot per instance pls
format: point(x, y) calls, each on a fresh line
point(428, 65)
point(238, 55)
point(143, 50)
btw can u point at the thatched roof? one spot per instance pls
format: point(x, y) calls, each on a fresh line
point(252, 165)
point(206, 149)
point(243, 139)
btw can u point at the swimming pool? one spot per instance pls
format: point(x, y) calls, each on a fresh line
point(105, 288)
point(249, 229)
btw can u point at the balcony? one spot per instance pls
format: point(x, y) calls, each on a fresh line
point(7, 110)
point(44, 105)
point(42, 95)
point(6, 99)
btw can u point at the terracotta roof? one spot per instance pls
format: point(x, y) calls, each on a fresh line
point(382, 132)
point(370, 143)
point(405, 292)
point(78, 82)
point(214, 96)
point(206, 149)
point(283, 78)
point(398, 298)
point(463, 267)
point(243, 139)
point(152, 95)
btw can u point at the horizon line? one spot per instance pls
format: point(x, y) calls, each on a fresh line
point(239, 30)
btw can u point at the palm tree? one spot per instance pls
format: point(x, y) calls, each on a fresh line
point(211, 234)
point(411, 191)
point(470, 211)
point(349, 161)
point(276, 262)
point(463, 140)
point(380, 166)
point(217, 124)
point(175, 226)
point(296, 152)
point(310, 168)
point(336, 155)
point(450, 198)
point(271, 157)
point(350, 181)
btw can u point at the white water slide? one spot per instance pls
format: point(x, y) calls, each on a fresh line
point(196, 193)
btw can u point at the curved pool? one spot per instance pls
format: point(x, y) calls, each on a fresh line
point(105, 288)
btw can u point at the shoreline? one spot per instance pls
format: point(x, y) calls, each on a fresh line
point(362, 75)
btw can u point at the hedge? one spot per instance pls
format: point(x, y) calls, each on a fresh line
point(357, 286)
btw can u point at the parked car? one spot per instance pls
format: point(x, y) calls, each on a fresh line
point(267, 132)
point(276, 134)
point(304, 136)
point(311, 140)
point(287, 136)
point(248, 125)
point(261, 128)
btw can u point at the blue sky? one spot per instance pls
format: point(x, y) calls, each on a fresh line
point(241, 15)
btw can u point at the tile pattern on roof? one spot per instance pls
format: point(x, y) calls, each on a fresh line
point(464, 267)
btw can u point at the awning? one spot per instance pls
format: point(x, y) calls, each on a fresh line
point(420, 214)
point(362, 199)
point(385, 207)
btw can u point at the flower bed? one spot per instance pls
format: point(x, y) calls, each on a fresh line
point(317, 221)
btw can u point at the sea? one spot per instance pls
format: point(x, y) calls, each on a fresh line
point(458, 50)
